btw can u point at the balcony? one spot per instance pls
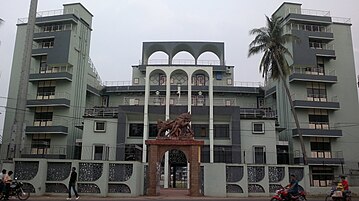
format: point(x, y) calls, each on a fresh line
point(318, 101)
point(323, 49)
point(321, 158)
point(55, 99)
point(56, 125)
point(42, 47)
point(52, 152)
point(57, 72)
point(318, 129)
point(313, 75)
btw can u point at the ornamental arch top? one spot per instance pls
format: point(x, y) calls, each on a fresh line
point(172, 48)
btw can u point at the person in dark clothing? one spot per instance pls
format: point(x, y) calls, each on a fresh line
point(7, 181)
point(72, 184)
point(293, 187)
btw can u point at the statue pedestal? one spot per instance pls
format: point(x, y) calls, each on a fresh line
point(157, 148)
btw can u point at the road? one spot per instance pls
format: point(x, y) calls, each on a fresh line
point(85, 198)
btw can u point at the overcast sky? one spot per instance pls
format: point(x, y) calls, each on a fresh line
point(120, 27)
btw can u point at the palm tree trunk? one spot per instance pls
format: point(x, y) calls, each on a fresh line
point(293, 112)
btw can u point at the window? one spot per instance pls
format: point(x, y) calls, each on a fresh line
point(43, 64)
point(162, 79)
point(98, 152)
point(318, 119)
point(134, 101)
point(228, 102)
point(322, 176)
point(219, 75)
point(222, 154)
point(200, 130)
point(320, 148)
point(258, 127)
point(229, 81)
point(153, 130)
point(136, 81)
point(100, 126)
point(316, 92)
point(200, 80)
point(40, 146)
point(133, 152)
point(105, 101)
point(43, 116)
point(259, 155)
point(221, 130)
point(320, 66)
point(46, 90)
point(136, 130)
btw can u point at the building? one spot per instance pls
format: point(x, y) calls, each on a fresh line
point(240, 123)
point(62, 83)
point(322, 83)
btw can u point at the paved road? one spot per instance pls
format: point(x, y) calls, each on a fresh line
point(186, 198)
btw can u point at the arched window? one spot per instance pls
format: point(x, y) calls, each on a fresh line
point(158, 57)
point(184, 58)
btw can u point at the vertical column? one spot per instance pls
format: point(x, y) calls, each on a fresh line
point(152, 170)
point(211, 137)
point(168, 96)
point(189, 87)
point(145, 115)
point(195, 168)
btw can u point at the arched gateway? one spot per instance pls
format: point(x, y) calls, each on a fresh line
point(179, 136)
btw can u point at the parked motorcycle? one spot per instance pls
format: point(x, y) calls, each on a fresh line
point(337, 195)
point(16, 190)
point(282, 194)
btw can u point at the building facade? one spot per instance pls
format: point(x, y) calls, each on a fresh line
point(322, 83)
point(71, 115)
point(62, 83)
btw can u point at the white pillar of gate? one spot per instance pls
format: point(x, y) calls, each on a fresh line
point(145, 114)
point(210, 96)
point(168, 96)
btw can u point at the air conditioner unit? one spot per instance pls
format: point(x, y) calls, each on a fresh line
point(228, 70)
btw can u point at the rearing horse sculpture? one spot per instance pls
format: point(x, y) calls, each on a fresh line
point(179, 127)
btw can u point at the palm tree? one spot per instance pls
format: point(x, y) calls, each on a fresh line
point(270, 40)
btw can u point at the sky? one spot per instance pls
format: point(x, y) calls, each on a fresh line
point(121, 26)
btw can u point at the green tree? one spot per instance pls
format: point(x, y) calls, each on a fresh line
point(270, 41)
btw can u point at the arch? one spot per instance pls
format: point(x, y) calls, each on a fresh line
point(200, 78)
point(208, 58)
point(158, 77)
point(214, 49)
point(157, 149)
point(148, 51)
point(179, 76)
point(158, 57)
point(183, 57)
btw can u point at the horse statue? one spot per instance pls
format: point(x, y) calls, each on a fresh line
point(179, 127)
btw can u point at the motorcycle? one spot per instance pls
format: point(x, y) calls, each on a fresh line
point(337, 195)
point(282, 194)
point(16, 190)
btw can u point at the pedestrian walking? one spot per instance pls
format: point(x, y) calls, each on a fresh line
point(72, 184)
point(2, 183)
point(7, 182)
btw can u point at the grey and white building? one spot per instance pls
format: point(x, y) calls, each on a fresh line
point(71, 114)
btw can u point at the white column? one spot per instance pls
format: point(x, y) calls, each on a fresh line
point(145, 115)
point(211, 138)
point(189, 87)
point(167, 155)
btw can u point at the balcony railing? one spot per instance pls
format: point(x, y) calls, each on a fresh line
point(312, 71)
point(50, 95)
point(38, 150)
point(316, 97)
point(53, 69)
point(320, 154)
point(54, 121)
point(117, 83)
point(317, 125)
point(182, 61)
point(43, 45)
point(307, 27)
point(323, 46)
point(308, 12)
point(101, 112)
point(49, 13)
point(53, 28)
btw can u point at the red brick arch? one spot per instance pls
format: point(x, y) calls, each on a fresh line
point(157, 149)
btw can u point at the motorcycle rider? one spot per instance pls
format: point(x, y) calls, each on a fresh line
point(293, 187)
point(7, 181)
point(345, 185)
